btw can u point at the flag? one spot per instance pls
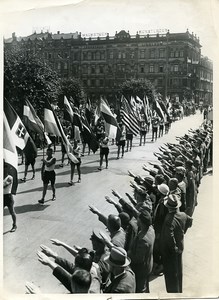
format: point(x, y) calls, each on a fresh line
point(20, 136)
point(49, 120)
point(164, 108)
point(68, 111)
point(111, 124)
point(158, 109)
point(128, 118)
point(88, 135)
point(31, 120)
point(54, 120)
point(96, 114)
point(88, 112)
point(10, 154)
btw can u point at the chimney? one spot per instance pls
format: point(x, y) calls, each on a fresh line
point(58, 32)
point(13, 35)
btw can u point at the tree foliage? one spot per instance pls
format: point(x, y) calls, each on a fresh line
point(138, 87)
point(28, 77)
point(73, 90)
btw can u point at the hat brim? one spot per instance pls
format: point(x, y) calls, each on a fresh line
point(172, 207)
point(127, 262)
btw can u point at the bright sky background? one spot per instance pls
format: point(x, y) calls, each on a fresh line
point(94, 16)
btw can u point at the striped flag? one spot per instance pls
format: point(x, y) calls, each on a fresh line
point(158, 109)
point(88, 113)
point(111, 124)
point(19, 133)
point(128, 118)
point(96, 114)
point(49, 120)
point(10, 154)
point(54, 123)
point(68, 111)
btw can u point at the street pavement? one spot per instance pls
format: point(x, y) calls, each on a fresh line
point(69, 219)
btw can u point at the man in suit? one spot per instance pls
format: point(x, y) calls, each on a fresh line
point(141, 252)
point(121, 278)
point(174, 227)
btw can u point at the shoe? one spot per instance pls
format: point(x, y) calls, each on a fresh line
point(70, 183)
point(33, 177)
point(106, 167)
point(61, 165)
point(23, 179)
point(13, 229)
point(53, 198)
point(118, 157)
point(100, 168)
point(41, 201)
point(79, 180)
point(82, 154)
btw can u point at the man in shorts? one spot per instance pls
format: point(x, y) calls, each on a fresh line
point(30, 159)
point(48, 174)
point(8, 197)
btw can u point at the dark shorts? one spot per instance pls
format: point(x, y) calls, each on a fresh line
point(143, 132)
point(30, 162)
point(49, 176)
point(121, 143)
point(79, 162)
point(129, 136)
point(104, 151)
point(8, 200)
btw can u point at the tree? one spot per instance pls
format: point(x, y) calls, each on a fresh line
point(139, 87)
point(72, 89)
point(28, 77)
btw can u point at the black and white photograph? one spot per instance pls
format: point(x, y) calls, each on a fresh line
point(108, 152)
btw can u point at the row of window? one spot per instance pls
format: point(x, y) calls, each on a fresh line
point(101, 55)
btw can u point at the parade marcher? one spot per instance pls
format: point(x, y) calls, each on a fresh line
point(121, 278)
point(77, 153)
point(180, 175)
point(104, 150)
point(174, 227)
point(30, 159)
point(141, 252)
point(161, 127)
point(120, 139)
point(8, 197)
point(143, 131)
point(129, 139)
point(155, 125)
point(48, 174)
point(191, 191)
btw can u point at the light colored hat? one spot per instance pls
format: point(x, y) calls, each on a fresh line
point(172, 201)
point(118, 257)
point(180, 170)
point(164, 189)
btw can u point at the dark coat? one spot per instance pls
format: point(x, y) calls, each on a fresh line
point(125, 283)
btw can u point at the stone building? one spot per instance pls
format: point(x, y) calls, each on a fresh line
point(171, 61)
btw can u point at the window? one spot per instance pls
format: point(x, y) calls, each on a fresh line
point(92, 70)
point(132, 54)
point(142, 54)
point(181, 53)
point(98, 55)
point(89, 55)
point(142, 69)
point(84, 82)
point(59, 66)
point(176, 68)
point(119, 54)
point(175, 81)
point(65, 66)
point(152, 53)
point(84, 56)
point(101, 82)
point(123, 55)
point(92, 82)
point(102, 55)
point(171, 54)
point(50, 56)
point(66, 55)
point(97, 82)
point(111, 55)
point(151, 70)
point(101, 69)
point(160, 81)
point(161, 53)
point(161, 69)
point(177, 54)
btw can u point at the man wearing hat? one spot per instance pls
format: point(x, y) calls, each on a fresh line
point(141, 252)
point(121, 277)
point(190, 188)
point(174, 227)
point(180, 176)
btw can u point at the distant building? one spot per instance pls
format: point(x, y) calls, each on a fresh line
point(171, 61)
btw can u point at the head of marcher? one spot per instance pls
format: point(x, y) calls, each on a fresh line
point(124, 217)
point(113, 223)
point(159, 179)
point(117, 260)
point(180, 173)
point(83, 259)
point(49, 152)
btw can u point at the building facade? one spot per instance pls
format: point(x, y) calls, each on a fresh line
point(171, 61)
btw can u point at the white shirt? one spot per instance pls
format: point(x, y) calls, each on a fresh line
point(7, 184)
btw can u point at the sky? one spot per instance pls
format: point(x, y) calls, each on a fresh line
point(97, 16)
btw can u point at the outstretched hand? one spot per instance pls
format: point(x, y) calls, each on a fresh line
point(31, 288)
point(43, 258)
point(110, 200)
point(48, 251)
point(116, 194)
point(94, 210)
point(56, 242)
